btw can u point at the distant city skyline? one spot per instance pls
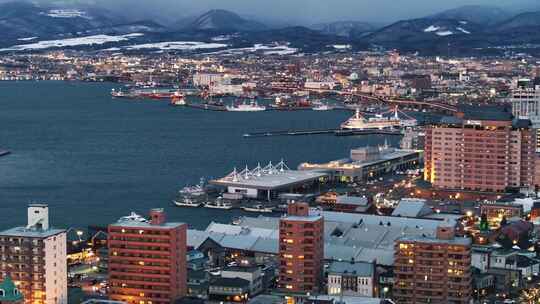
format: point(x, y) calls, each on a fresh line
point(312, 11)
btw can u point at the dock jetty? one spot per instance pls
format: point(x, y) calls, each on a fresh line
point(336, 132)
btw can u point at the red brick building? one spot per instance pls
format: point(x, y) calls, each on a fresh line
point(301, 250)
point(433, 269)
point(480, 150)
point(147, 259)
point(537, 173)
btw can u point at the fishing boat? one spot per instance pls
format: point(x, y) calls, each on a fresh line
point(246, 107)
point(187, 202)
point(323, 107)
point(120, 94)
point(218, 204)
point(258, 208)
point(178, 100)
point(133, 217)
point(196, 190)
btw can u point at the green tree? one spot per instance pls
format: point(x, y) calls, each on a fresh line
point(484, 225)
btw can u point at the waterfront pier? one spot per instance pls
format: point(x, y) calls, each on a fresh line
point(336, 132)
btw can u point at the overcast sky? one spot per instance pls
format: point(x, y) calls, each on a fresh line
point(302, 11)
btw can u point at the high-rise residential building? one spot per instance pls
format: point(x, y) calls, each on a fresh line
point(480, 149)
point(433, 269)
point(147, 259)
point(34, 256)
point(301, 249)
point(526, 103)
point(537, 172)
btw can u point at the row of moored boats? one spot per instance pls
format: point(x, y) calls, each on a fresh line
point(177, 98)
point(219, 204)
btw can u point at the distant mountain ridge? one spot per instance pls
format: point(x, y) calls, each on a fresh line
point(344, 28)
point(523, 20)
point(423, 29)
point(479, 14)
point(24, 19)
point(219, 20)
point(462, 29)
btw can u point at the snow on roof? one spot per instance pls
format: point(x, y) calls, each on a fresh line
point(412, 208)
point(243, 243)
point(223, 228)
point(348, 299)
point(267, 245)
point(347, 236)
point(371, 219)
point(196, 237)
point(358, 268)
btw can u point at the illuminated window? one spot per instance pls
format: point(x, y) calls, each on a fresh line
point(141, 231)
point(289, 286)
point(115, 253)
point(141, 294)
point(288, 256)
point(402, 246)
point(289, 271)
point(300, 256)
point(141, 263)
point(123, 230)
point(411, 261)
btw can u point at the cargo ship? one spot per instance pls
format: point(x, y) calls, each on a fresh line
point(246, 107)
point(159, 94)
point(286, 103)
point(209, 105)
point(145, 93)
point(121, 94)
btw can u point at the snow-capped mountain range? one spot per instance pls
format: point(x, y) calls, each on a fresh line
point(28, 26)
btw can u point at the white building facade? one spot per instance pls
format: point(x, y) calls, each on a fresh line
point(351, 279)
point(526, 103)
point(35, 257)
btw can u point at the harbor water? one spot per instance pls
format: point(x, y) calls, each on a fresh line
point(93, 158)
